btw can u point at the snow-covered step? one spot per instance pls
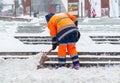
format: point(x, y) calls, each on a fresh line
point(36, 43)
point(6, 18)
point(30, 40)
point(88, 56)
point(97, 53)
point(15, 57)
point(22, 53)
point(34, 39)
point(18, 53)
point(30, 36)
point(106, 39)
point(107, 42)
point(107, 36)
point(29, 29)
point(86, 62)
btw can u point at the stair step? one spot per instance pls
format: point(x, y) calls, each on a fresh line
point(16, 57)
point(88, 56)
point(86, 62)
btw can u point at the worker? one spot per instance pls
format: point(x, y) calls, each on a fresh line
point(65, 34)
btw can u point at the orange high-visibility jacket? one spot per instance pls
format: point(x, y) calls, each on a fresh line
point(61, 21)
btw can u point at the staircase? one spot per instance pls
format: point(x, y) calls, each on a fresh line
point(86, 58)
point(89, 58)
point(27, 35)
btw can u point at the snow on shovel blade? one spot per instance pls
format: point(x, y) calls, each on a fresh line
point(44, 58)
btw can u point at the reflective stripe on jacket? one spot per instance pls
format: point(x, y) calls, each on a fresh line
point(59, 22)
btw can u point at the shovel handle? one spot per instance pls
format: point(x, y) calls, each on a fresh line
point(48, 52)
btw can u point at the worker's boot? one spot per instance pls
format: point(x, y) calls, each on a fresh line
point(75, 60)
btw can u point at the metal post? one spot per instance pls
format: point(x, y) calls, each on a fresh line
point(24, 7)
point(30, 8)
point(15, 8)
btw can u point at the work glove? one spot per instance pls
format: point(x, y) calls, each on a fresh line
point(54, 43)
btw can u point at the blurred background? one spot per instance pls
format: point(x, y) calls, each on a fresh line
point(80, 8)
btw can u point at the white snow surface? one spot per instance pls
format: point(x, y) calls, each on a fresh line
point(24, 71)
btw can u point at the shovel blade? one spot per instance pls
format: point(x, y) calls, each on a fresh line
point(43, 59)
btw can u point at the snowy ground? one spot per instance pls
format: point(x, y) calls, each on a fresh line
point(24, 71)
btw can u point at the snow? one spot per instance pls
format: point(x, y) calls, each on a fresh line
point(8, 1)
point(24, 70)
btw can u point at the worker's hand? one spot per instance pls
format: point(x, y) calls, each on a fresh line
point(54, 46)
point(54, 43)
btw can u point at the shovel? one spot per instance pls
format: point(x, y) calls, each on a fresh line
point(43, 58)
